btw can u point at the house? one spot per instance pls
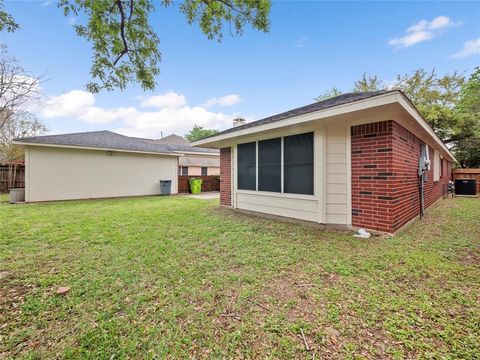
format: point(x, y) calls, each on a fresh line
point(98, 164)
point(351, 161)
point(194, 161)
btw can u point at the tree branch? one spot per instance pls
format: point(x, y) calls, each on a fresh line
point(122, 29)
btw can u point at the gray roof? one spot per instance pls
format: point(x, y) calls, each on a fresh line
point(112, 141)
point(172, 139)
point(319, 105)
point(185, 148)
point(99, 139)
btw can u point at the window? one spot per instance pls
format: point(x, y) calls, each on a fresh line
point(436, 165)
point(246, 166)
point(267, 157)
point(184, 170)
point(204, 171)
point(269, 165)
point(298, 164)
point(441, 167)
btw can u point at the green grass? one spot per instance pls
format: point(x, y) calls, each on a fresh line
point(177, 277)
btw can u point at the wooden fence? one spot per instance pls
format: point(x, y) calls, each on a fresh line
point(11, 176)
point(467, 174)
point(210, 183)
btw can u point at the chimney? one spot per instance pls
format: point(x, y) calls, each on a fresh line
point(239, 122)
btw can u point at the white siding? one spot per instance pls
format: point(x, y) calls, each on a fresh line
point(330, 204)
point(62, 174)
point(337, 182)
point(298, 208)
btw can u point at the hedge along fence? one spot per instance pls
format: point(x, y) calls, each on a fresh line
point(461, 173)
point(11, 176)
point(209, 183)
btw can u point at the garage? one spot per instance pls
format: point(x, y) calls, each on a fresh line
point(99, 164)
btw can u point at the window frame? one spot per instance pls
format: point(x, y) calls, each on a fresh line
point(202, 172)
point(181, 170)
point(282, 192)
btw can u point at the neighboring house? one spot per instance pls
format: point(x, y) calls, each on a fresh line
point(98, 164)
point(348, 161)
point(194, 161)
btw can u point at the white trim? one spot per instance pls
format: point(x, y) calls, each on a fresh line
point(277, 194)
point(379, 100)
point(282, 166)
point(21, 143)
point(323, 209)
point(348, 153)
point(197, 153)
point(27, 174)
point(233, 164)
point(256, 165)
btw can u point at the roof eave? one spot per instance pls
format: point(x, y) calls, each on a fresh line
point(382, 99)
point(64, 146)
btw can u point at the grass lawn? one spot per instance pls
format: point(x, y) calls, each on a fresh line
point(179, 277)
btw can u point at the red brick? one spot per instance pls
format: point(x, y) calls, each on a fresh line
point(395, 196)
point(225, 176)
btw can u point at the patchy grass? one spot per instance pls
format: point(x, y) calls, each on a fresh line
point(178, 277)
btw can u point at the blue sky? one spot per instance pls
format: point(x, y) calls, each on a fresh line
point(311, 47)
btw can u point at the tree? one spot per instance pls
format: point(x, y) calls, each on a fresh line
point(16, 86)
point(199, 132)
point(329, 94)
point(435, 97)
point(21, 124)
point(466, 141)
point(368, 83)
point(125, 46)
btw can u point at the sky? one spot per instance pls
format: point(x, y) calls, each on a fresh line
point(312, 46)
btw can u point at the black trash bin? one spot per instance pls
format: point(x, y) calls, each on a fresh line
point(165, 187)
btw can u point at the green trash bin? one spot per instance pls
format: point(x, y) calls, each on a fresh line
point(195, 186)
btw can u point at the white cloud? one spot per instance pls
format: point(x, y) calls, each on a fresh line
point(300, 43)
point(168, 100)
point(72, 20)
point(172, 115)
point(424, 30)
point(227, 100)
point(470, 47)
point(80, 105)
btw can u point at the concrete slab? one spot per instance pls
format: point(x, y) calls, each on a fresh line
point(204, 196)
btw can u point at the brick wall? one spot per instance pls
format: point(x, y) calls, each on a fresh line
point(385, 186)
point(225, 176)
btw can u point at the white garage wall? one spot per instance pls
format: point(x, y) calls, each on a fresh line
point(63, 174)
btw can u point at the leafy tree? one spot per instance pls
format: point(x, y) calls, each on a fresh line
point(199, 132)
point(125, 46)
point(16, 86)
point(466, 141)
point(368, 83)
point(435, 97)
point(21, 124)
point(329, 94)
point(7, 23)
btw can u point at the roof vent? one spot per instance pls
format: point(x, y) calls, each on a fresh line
point(239, 122)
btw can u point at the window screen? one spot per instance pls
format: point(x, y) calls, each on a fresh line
point(269, 165)
point(204, 171)
point(298, 164)
point(184, 170)
point(246, 167)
